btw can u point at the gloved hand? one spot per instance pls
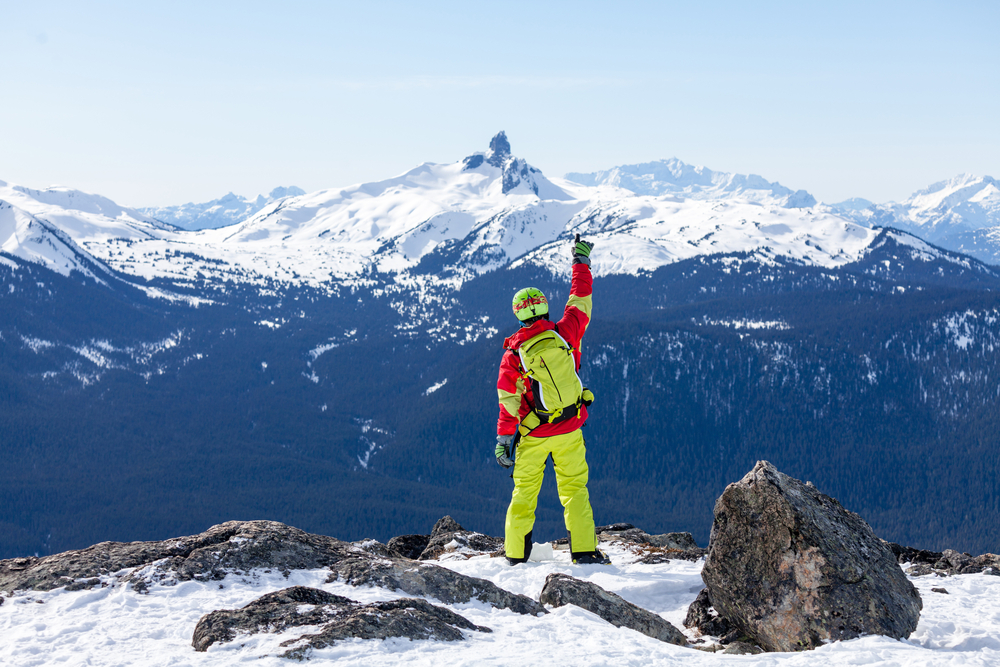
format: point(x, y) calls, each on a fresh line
point(581, 251)
point(503, 450)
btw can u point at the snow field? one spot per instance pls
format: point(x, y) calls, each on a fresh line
point(118, 626)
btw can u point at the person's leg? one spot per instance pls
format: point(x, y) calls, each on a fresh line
point(569, 455)
point(529, 468)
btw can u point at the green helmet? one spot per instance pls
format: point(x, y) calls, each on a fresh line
point(530, 303)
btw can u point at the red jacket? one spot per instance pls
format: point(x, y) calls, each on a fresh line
point(516, 399)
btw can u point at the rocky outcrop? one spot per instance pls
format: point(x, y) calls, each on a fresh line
point(651, 549)
point(274, 612)
point(791, 569)
point(429, 580)
point(234, 546)
point(243, 547)
point(338, 618)
point(562, 589)
point(448, 536)
point(945, 563)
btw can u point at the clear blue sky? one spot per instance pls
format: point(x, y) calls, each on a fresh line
point(169, 102)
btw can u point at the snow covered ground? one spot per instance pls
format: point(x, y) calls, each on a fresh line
point(118, 626)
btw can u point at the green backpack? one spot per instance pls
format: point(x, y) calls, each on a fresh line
point(547, 360)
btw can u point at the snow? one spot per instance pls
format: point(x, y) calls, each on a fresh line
point(942, 210)
point(335, 238)
point(434, 387)
point(779, 325)
point(115, 625)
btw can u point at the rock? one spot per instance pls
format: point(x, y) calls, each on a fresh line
point(679, 541)
point(273, 612)
point(614, 528)
point(413, 619)
point(235, 545)
point(702, 615)
point(913, 556)
point(432, 581)
point(944, 563)
point(499, 150)
point(741, 648)
point(340, 618)
point(920, 570)
point(562, 589)
point(375, 548)
point(656, 555)
point(241, 547)
point(446, 525)
point(409, 546)
point(953, 562)
point(652, 549)
point(790, 568)
point(448, 536)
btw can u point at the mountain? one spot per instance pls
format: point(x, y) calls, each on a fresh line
point(961, 214)
point(329, 361)
point(220, 212)
point(673, 177)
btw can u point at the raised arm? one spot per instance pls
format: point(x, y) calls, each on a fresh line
point(576, 316)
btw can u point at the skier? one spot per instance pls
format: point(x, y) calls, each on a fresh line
point(543, 406)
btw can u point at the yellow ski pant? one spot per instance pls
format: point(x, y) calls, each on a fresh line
point(569, 455)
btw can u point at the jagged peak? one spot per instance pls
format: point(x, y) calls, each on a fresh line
point(499, 149)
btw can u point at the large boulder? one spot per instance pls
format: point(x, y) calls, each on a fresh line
point(792, 569)
point(336, 619)
point(562, 589)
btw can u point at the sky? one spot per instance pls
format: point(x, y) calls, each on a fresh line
point(154, 104)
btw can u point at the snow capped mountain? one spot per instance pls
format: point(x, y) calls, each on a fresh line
point(961, 214)
point(40, 226)
point(220, 212)
point(962, 204)
point(852, 205)
point(674, 177)
point(474, 215)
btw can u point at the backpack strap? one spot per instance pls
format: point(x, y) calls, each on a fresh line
point(536, 418)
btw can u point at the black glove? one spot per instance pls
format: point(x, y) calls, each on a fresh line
point(503, 450)
point(581, 251)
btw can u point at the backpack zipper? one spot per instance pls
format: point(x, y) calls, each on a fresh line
point(552, 379)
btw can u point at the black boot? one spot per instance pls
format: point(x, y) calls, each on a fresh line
point(595, 557)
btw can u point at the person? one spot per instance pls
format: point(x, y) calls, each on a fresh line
point(541, 415)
